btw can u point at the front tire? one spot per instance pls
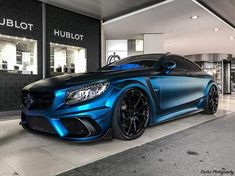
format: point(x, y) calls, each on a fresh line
point(131, 114)
point(212, 101)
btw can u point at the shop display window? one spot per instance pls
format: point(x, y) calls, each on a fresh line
point(18, 55)
point(67, 59)
point(214, 69)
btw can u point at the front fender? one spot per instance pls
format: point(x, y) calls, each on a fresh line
point(121, 87)
point(210, 83)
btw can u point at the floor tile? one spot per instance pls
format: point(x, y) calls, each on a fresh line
point(36, 162)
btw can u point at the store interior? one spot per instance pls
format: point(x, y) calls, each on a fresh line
point(67, 59)
point(18, 55)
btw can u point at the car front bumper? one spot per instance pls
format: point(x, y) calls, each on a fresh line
point(86, 126)
point(88, 121)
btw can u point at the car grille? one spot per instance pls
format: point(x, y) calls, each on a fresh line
point(37, 100)
point(40, 124)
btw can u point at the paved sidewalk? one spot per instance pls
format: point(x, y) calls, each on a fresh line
point(207, 149)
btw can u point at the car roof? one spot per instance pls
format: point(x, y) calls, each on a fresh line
point(145, 56)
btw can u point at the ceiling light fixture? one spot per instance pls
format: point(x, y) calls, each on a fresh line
point(216, 29)
point(194, 17)
point(213, 13)
point(137, 12)
point(231, 38)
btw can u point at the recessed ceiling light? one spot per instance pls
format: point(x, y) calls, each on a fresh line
point(24, 39)
point(231, 38)
point(195, 17)
point(216, 29)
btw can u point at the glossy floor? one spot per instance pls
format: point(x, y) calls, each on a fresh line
point(26, 154)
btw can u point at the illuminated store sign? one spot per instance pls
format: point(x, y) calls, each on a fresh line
point(16, 24)
point(68, 35)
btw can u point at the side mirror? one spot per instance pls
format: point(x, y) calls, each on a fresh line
point(169, 66)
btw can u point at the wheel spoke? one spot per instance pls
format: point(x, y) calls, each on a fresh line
point(134, 124)
point(141, 107)
point(130, 125)
point(128, 103)
point(140, 98)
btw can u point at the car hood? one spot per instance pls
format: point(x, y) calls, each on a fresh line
point(70, 80)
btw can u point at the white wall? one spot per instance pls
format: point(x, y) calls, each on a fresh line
point(120, 47)
point(153, 43)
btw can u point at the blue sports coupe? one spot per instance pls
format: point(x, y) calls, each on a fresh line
point(119, 100)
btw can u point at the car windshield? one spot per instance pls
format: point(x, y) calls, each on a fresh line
point(134, 62)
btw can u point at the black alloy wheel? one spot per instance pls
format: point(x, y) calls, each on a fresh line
point(212, 100)
point(131, 115)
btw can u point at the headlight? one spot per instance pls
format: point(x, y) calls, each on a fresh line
point(85, 93)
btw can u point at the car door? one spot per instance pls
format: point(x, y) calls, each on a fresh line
point(199, 80)
point(175, 89)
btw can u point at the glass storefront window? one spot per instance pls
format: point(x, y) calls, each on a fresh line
point(18, 55)
point(214, 69)
point(233, 75)
point(67, 59)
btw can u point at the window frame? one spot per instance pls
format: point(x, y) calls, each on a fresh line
point(136, 59)
point(185, 68)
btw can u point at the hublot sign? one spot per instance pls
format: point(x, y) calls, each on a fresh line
point(68, 35)
point(16, 24)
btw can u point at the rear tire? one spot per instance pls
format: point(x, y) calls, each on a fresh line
point(131, 115)
point(212, 101)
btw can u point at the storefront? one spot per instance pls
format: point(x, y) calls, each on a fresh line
point(219, 66)
point(72, 45)
point(73, 42)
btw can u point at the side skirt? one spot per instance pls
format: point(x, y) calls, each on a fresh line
point(175, 115)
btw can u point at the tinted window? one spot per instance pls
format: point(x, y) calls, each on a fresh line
point(192, 66)
point(134, 62)
point(184, 64)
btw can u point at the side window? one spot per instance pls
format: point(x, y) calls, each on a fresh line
point(147, 63)
point(184, 64)
point(191, 66)
point(180, 63)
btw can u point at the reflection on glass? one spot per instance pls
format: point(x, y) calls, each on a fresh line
point(233, 75)
point(67, 59)
point(214, 69)
point(18, 55)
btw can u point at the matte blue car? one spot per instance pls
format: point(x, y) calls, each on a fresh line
point(120, 100)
